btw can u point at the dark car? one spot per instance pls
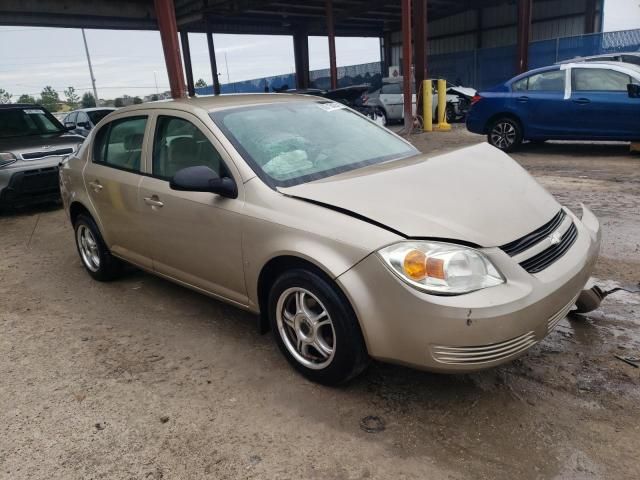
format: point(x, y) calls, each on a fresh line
point(574, 101)
point(83, 120)
point(32, 143)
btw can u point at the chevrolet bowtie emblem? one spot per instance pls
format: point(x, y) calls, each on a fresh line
point(555, 238)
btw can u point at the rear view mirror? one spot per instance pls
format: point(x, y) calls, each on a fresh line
point(634, 90)
point(203, 179)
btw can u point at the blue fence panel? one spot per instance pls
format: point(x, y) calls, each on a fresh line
point(495, 65)
point(481, 68)
point(458, 67)
point(543, 53)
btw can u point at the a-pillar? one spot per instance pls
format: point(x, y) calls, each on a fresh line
point(301, 54)
point(420, 47)
point(166, 17)
point(331, 36)
point(524, 29)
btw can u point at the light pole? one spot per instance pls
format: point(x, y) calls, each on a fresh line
point(155, 78)
point(93, 79)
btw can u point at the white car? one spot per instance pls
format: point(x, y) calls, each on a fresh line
point(391, 100)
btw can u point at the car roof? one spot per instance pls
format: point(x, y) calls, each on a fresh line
point(220, 102)
point(92, 109)
point(602, 55)
point(5, 106)
point(604, 63)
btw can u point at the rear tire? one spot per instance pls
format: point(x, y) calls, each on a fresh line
point(94, 254)
point(316, 328)
point(505, 133)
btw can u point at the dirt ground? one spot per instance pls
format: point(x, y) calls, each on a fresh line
point(143, 379)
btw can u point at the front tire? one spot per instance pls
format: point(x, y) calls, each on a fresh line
point(315, 328)
point(505, 133)
point(94, 254)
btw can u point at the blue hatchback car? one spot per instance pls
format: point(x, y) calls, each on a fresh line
point(573, 101)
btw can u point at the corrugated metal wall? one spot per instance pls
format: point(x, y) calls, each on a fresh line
point(497, 24)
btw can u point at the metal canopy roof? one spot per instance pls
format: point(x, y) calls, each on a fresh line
point(352, 17)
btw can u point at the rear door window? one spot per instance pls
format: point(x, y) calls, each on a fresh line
point(551, 81)
point(119, 143)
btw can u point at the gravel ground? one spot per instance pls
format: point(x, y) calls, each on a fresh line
point(143, 379)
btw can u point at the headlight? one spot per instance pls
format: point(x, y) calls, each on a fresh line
point(7, 158)
point(441, 268)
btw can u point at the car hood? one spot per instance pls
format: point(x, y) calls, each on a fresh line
point(36, 143)
point(476, 194)
point(464, 91)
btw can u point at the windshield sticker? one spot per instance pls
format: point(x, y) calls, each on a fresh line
point(33, 112)
point(330, 106)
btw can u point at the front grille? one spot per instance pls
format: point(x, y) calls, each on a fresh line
point(520, 245)
point(42, 180)
point(542, 260)
point(49, 153)
point(480, 354)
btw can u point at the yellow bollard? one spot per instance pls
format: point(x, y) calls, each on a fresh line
point(443, 126)
point(427, 105)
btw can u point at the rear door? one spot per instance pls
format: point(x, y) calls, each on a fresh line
point(112, 178)
point(539, 101)
point(600, 105)
point(196, 236)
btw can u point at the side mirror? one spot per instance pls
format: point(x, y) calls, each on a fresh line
point(203, 179)
point(634, 90)
point(83, 125)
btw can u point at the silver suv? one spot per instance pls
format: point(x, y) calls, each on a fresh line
point(32, 144)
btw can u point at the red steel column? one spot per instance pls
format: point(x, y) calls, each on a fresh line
point(524, 29)
point(331, 35)
point(420, 46)
point(166, 16)
point(406, 64)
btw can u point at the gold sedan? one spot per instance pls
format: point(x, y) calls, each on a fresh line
point(347, 241)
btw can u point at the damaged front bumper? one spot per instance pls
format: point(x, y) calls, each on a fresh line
point(475, 330)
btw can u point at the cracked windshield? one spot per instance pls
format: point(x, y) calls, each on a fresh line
point(297, 142)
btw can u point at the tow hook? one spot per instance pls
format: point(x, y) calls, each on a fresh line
point(591, 298)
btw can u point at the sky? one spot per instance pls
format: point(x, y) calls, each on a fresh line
point(130, 62)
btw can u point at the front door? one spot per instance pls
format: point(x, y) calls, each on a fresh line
point(195, 236)
point(601, 106)
point(112, 177)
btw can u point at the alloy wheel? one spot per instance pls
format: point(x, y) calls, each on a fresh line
point(305, 326)
point(503, 135)
point(88, 248)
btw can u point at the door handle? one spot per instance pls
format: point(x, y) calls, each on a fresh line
point(582, 101)
point(95, 185)
point(154, 201)
point(524, 99)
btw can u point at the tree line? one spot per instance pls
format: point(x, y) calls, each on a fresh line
point(50, 99)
